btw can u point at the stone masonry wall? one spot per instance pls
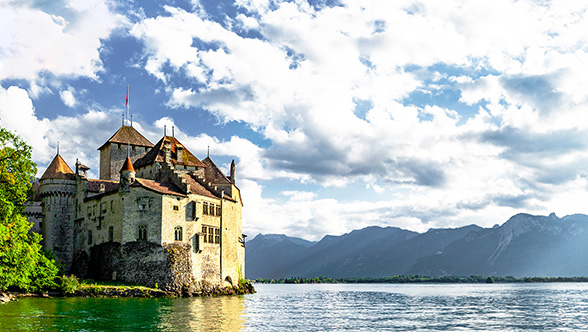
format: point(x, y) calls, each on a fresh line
point(114, 156)
point(145, 263)
point(58, 197)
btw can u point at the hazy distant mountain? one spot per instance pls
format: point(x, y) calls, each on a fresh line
point(269, 256)
point(525, 245)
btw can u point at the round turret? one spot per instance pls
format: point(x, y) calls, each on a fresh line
point(57, 191)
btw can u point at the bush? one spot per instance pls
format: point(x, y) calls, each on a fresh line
point(69, 284)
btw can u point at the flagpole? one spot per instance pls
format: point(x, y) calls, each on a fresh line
point(127, 106)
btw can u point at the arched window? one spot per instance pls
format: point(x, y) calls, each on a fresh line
point(178, 233)
point(143, 232)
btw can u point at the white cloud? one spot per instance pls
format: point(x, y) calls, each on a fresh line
point(302, 83)
point(68, 98)
point(63, 38)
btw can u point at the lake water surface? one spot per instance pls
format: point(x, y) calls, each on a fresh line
point(324, 307)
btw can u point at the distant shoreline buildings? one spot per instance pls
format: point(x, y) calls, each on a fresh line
point(158, 216)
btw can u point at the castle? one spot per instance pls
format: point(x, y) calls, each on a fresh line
point(157, 216)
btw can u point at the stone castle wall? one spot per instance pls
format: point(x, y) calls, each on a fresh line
point(167, 267)
point(113, 157)
point(58, 201)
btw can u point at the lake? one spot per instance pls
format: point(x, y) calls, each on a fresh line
point(320, 307)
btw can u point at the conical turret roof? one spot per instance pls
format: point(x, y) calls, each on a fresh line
point(128, 165)
point(58, 169)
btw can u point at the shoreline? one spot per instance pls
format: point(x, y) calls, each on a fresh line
point(418, 279)
point(129, 291)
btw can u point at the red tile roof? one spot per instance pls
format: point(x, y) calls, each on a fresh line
point(94, 185)
point(156, 154)
point(159, 187)
point(58, 169)
point(197, 188)
point(213, 174)
point(128, 135)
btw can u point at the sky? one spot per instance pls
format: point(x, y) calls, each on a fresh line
point(339, 114)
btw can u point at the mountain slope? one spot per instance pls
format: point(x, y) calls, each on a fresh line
point(269, 256)
point(525, 245)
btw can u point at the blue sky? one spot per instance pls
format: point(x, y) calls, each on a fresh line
point(339, 114)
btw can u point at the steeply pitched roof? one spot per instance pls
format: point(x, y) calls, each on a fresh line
point(128, 165)
point(156, 154)
point(58, 169)
point(128, 135)
point(213, 174)
point(159, 187)
point(197, 188)
point(94, 185)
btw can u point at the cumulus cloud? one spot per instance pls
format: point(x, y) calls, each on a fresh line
point(331, 89)
point(68, 98)
point(431, 113)
point(61, 37)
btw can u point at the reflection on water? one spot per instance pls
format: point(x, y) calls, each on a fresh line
point(123, 314)
point(204, 314)
point(375, 307)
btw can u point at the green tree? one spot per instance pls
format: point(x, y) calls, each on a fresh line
point(23, 264)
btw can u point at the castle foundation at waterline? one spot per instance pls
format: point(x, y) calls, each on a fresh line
point(158, 216)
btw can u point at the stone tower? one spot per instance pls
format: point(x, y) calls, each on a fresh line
point(126, 142)
point(57, 190)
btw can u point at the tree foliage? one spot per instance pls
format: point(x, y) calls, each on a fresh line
point(23, 264)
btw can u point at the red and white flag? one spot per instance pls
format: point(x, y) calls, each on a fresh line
point(127, 101)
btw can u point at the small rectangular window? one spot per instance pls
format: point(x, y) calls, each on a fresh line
point(217, 235)
point(218, 211)
point(176, 208)
point(204, 231)
point(196, 243)
point(89, 237)
point(205, 208)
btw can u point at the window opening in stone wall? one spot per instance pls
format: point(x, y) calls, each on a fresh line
point(196, 243)
point(192, 210)
point(110, 234)
point(103, 207)
point(205, 208)
point(218, 210)
point(143, 232)
point(89, 237)
point(176, 208)
point(211, 234)
point(178, 233)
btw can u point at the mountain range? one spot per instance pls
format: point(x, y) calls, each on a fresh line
point(525, 245)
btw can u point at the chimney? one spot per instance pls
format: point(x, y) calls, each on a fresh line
point(232, 174)
point(166, 150)
point(180, 154)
